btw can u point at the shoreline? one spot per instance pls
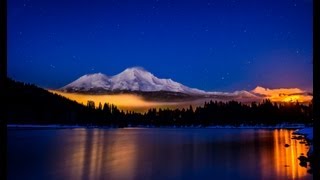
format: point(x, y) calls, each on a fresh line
point(307, 134)
point(58, 126)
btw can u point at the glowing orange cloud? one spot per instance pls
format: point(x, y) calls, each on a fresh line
point(284, 94)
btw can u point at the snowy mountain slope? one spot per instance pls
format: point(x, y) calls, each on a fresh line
point(139, 80)
point(89, 82)
point(131, 79)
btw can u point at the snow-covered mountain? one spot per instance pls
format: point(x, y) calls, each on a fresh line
point(139, 80)
point(131, 79)
point(91, 82)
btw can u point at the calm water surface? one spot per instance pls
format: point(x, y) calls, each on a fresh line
point(154, 154)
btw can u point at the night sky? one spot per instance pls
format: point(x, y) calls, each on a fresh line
point(223, 45)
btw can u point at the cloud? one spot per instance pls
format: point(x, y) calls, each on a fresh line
point(283, 94)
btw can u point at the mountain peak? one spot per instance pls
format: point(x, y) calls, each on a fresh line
point(136, 68)
point(92, 77)
point(89, 82)
point(95, 75)
point(131, 79)
point(259, 88)
point(135, 72)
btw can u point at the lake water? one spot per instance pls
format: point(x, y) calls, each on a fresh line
point(155, 153)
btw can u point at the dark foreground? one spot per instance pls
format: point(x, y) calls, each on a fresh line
point(154, 154)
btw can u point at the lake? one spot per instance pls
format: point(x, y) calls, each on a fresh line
point(154, 153)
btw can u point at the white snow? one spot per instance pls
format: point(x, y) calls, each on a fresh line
point(90, 81)
point(133, 79)
point(138, 79)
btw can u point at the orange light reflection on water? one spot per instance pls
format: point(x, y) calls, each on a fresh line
point(123, 153)
point(93, 158)
point(286, 158)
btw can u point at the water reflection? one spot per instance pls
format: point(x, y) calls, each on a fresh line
point(160, 154)
point(97, 153)
point(288, 157)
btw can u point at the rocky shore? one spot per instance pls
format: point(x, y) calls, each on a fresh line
point(306, 134)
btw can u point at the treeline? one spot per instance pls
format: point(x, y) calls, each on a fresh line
point(32, 105)
point(212, 113)
point(29, 104)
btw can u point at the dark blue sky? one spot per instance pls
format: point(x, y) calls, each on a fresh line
point(212, 45)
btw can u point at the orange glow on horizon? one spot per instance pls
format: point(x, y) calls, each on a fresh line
point(294, 98)
point(122, 101)
point(284, 94)
point(137, 103)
